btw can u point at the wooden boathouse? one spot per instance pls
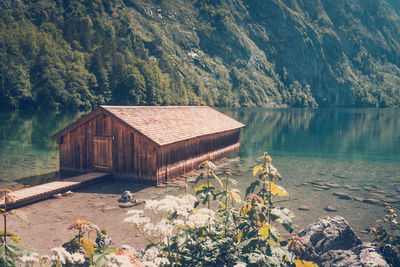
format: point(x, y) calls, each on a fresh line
point(148, 144)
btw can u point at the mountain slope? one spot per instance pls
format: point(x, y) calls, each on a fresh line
point(223, 53)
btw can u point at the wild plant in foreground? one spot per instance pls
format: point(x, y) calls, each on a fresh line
point(217, 227)
point(386, 237)
point(9, 242)
point(80, 251)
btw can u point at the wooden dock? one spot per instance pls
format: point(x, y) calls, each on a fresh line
point(43, 191)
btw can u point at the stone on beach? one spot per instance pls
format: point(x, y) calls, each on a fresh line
point(324, 187)
point(333, 185)
point(372, 201)
point(376, 195)
point(359, 199)
point(339, 176)
point(341, 195)
point(127, 205)
point(330, 241)
point(68, 193)
point(126, 197)
point(131, 204)
point(352, 188)
point(316, 188)
point(330, 209)
point(304, 207)
point(392, 200)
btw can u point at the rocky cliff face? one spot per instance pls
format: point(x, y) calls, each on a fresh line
point(223, 52)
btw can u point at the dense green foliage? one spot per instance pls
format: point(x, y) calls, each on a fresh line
point(83, 53)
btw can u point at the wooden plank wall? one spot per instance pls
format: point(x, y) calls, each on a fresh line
point(133, 155)
point(184, 156)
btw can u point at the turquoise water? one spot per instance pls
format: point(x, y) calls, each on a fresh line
point(358, 150)
point(26, 149)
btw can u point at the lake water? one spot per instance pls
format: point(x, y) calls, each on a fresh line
point(354, 151)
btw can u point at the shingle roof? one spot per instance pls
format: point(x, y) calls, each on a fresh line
point(170, 124)
point(165, 124)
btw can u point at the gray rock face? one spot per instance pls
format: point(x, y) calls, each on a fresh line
point(330, 241)
point(361, 255)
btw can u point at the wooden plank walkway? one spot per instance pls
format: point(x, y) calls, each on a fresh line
point(43, 191)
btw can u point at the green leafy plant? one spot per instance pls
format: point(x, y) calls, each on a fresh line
point(95, 253)
point(216, 227)
point(9, 246)
point(386, 237)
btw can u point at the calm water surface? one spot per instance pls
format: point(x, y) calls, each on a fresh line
point(356, 149)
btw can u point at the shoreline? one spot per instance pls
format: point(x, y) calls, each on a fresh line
point(98, 203)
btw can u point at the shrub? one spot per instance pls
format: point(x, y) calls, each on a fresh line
point(386, 237)
point(216, 227)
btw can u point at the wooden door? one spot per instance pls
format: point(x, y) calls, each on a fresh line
point(102, 153)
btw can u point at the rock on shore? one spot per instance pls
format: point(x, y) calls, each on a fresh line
point(330, 241)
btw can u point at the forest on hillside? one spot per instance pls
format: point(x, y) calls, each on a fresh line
point(81, 53)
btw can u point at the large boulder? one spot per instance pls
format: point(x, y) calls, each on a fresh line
point(330, 241)
point(361, 255)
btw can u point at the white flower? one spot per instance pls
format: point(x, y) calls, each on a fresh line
point(182, 206)
point(60, 254)
point(164, 228)
point(178, 222)
point(201, 218)
point(158, 261)
point(114, 260)
point(149, 264)
point(137, 220)
point(136, 252)
point(136, 212)
point(190, 199)
point(240, 264)
point(151, 254)
point(77, 258)
point(30, 259)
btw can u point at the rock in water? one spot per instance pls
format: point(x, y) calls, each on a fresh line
point(359, 199)
point(328, 233)
point(341, 195)
point(361, 255)
point(126, 197)
point(372, 201)
point(330, 208)
point(330, 241)
point(304, 207)
point(333, 185)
